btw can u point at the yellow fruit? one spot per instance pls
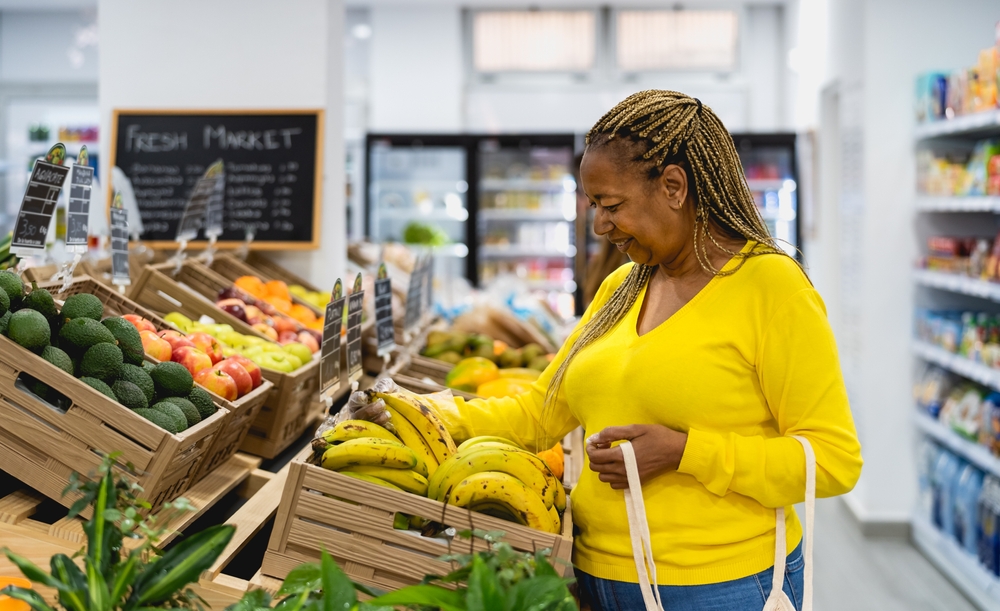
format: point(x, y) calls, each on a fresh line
point(369, 451)
point(525, 504)
point(503, 387)
point(405, 479)
point(555, 459)
point(520, 373)
point(374, 480)
point(472, 373)
point(423, 418)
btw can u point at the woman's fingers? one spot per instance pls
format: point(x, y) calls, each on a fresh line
point(373, 412)
point(608, 455)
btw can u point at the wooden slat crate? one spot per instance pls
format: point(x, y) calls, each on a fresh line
point(290, 408)
point(353, 519)
point(231, 267)
point(241, 412)
point(272, 270)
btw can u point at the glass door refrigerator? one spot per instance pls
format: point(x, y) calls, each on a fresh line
point(494, 208)
point(769, 162)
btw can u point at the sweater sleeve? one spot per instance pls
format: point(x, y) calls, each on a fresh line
point(800, 377)
point(522, 418)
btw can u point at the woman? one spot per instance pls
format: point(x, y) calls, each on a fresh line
point(709, 352)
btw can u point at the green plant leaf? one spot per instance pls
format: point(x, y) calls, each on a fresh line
point(124, 576)
point(252, 601)
point(74, 596)
point(537, 593)
point(484, 590)
point(294, 603)
point(180, 565)
point(32, 598)
point(426, 595)
point(30, 570)
point(99, 534)
point(97, 588)
point(303, 578)
point(338, 591)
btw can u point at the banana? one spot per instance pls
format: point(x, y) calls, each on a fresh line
point(524, 504)
point(370, 452)
point(497, 510)
point(482, 459)
point(424, 419)
point(407, 480)
point(352, 429)
point(559, 502)
point(368, 478)
point(400, 521)
point(473, 441)
point(427, 464)
point(556, 519)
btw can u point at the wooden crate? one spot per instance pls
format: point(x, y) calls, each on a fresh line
point(290, 408)
point(353, 519)
point(273, 271)
point(231, 267)
point(241, 412)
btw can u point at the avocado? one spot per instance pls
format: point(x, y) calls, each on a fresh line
point(129, 395)
point(510, 358)
point(4, 302)
point(4, 321)
point(82, 305)
point(40, 300)
point(160, 419)
point(175, 413)
point(12, 285)
point(485, 352)
point(531, 351)
point(59, 358)
point(128, 338)
point(203, 401)
point(103, 361)
point(99, 386)
point(80, 334)
point(539, 363)
point(188, 408)
point(449, 357)
point(172, 379)
point(36, 386)
point(29, 329)
point(148, 366)
point(140, 377)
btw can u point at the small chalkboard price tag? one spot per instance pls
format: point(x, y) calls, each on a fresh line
point(119, 243)
point(196, 211)
point(428, 278)
point(355, 304)
point(384, 328)
point(81, 179)
point(213, 211)
point(39, 203)
point(329, 365)
point(414, 297)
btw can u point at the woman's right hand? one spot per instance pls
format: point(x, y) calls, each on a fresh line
point(360, 407)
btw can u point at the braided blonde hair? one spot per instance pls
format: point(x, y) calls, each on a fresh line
point(674, 128)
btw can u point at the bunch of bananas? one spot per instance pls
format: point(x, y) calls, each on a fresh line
point(416, 454)
point(7, 260)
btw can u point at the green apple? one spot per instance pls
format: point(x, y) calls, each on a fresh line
point(294, 360)
point(251, 352)
point(223, 328)
point(232, 339)
point(228, 352)
point(275, 362)
point(298, 350)
point(253, 339)
point(183, 323)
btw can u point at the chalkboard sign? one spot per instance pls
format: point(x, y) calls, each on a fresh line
point(272, 162)
point(384, 329)
point(78, 217)
point(329, 366)
point(39, 203)
point(119, 243)
point(355, 304)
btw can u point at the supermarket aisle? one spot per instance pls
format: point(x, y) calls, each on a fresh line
point(854, 572)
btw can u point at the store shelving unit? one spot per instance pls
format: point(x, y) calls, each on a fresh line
point(962, 568)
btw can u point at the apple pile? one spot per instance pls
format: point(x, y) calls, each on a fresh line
point(283, 358)
point(263, 318)
point(201, 354)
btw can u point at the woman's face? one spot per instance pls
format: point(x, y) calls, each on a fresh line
point(652, 221)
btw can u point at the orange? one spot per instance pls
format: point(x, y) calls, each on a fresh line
point(302, 314)
point(555, 459)
point(9, 604)
point(278, 289)
point(252, 285)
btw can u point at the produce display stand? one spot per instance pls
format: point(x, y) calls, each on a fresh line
point(292, 405)
point(353, 519)
point(241, 412)
point(231, 267)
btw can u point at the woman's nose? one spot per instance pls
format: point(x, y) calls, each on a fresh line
point(602, 225)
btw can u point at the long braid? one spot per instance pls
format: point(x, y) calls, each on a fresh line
point(676, 128)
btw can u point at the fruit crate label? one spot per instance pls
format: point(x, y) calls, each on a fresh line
point(213, 213)
point(119, 243)
point(384, 329)
point(39, 203)
point(355, 306)
point(414, 297)
point(196, 212)
point(78, 215)
point(329, 365)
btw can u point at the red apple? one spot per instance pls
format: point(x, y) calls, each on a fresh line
point(234, 307)
point(287, 336)
point(251, 368)
point(140, 323)
point(309, 340)
point(193, 359)
point(207, 344)
point(283, 324)
point(244, 383)
point(176, 339)
point(254, 315)
point(155, 346)
point(219, 382)
point(267, 330)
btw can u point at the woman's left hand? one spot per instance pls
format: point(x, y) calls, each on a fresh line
point(657, 449)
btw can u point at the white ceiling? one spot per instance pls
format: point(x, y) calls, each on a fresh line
point(42, 5)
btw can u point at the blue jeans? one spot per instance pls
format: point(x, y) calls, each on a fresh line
point(746, 594)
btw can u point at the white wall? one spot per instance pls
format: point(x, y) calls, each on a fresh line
point(48, 46)
point(235, 54)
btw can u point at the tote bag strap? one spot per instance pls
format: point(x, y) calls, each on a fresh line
point(638, 527)
point(807, 548)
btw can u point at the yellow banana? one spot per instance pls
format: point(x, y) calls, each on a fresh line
point(425, 420)
point(427, 464)
point(368, 478)
point(556, 519)
point(407, 480)
point(497, 510)
point(559, 492)
point(478, 459)
point(370, 452)
point(400, 521)
point(473, 441)
point(559, 501)
point(356, 429)
point(524, 503)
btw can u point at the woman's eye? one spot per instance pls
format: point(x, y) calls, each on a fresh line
point(611, 209)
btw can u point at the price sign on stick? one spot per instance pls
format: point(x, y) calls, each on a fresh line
point(119, 243)
point(384, 328)
point(414, 298)
point(39, 203)
point(354, 307)
point(196, 211)
point(329, 365)
point(213, 211)
point(80, 180)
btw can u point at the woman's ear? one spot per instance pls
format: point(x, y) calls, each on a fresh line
point(674, 182)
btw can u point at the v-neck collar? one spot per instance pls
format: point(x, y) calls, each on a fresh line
point(640, 301)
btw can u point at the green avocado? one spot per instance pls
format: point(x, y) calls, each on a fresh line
point(103, 361)
point(82, 305)
point(29, 329)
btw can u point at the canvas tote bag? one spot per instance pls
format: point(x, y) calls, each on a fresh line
point(642, 544)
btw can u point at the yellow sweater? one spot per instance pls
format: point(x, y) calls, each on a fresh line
point(746, 364)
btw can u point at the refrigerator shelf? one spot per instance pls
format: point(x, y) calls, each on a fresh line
point(526, 214)
point(409, 214)
point(518, 251)
point(436, 185)
point(526, 184)
point(769, 185)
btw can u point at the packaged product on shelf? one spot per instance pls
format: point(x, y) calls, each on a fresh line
point(945, 473)
point(932, 389)
point(978, 167)
point(927, 455)
point(989, 432)
point(932, 91)
point(963, 411)
point(968, 487)
point(988, 525)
